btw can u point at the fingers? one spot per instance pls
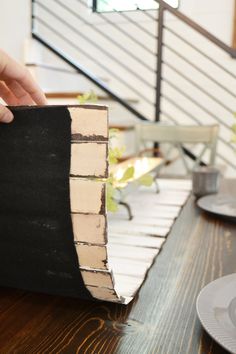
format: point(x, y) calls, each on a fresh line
point(30, 86)
point(5, 115)
point(22, 97)
point(16, 87)
point(7, 95)
point(18, 76)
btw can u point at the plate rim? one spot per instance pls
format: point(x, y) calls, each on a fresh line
point(232, 217)
point(216, 332)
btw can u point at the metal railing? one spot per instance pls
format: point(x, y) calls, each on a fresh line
point(152, 60)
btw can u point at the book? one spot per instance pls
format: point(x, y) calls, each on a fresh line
point(53, 219)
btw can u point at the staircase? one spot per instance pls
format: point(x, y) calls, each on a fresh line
point(154, 65)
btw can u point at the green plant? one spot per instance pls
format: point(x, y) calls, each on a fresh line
point(87, 97)
point(114, 184)
point(234, 131)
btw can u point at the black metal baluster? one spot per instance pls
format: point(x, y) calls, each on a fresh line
point(159, 60)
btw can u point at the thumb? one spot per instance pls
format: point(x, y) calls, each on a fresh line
point(5, 115)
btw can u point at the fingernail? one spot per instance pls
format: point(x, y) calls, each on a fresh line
point(6, 118)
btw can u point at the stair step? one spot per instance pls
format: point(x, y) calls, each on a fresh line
point(75, 94)
point(57, 68)
point(70, 95)
point(122, 127)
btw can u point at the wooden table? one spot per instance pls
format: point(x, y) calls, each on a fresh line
point(161, 320)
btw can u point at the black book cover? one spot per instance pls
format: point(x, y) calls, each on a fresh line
point(37, 249)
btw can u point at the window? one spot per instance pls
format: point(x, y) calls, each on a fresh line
point(128, 5)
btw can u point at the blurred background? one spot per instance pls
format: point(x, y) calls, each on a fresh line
point(171, 62)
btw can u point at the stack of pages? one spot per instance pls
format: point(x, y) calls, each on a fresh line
point(133, 244)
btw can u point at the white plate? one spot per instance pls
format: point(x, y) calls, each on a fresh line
point(216, 309)
point(219, 204)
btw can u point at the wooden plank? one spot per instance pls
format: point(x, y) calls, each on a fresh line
point(98, 278)
point(89, 228)
point(137, 241)
point(158, 211)
point(142, 221)
point(127, 267)
point(127, 261)
point(174, 198)
point(133, 229)
point(68, 94)
point(140, 212)
point(144, 254)
point(87, 196)
point(127, 285)
point(92, 256)
point(89, 160)
point(74, 94)
point(103, 293)
point(89, 123)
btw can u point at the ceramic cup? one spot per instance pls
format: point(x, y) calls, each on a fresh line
point(205, 180)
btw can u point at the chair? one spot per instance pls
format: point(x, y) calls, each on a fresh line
point(177, 136)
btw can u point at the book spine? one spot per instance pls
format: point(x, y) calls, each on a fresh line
point(88, 172)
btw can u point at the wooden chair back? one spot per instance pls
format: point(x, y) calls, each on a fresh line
point(177, 136)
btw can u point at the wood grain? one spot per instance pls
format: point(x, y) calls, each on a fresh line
point(161, 320)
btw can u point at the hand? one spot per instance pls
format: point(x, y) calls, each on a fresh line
point(17, 87)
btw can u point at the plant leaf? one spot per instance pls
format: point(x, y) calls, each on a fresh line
point(128, 174)
point(146, 180)
point(87, 97)
point(233, 140)
point(112, 205)
point(93, 96)
point(234, 128)
point(114, 154)
point(113, 132)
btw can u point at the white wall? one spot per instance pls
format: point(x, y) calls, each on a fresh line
point(214, 15)
point(14, 26)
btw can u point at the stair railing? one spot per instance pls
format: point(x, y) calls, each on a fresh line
point(162, 98)
point(155, 79)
